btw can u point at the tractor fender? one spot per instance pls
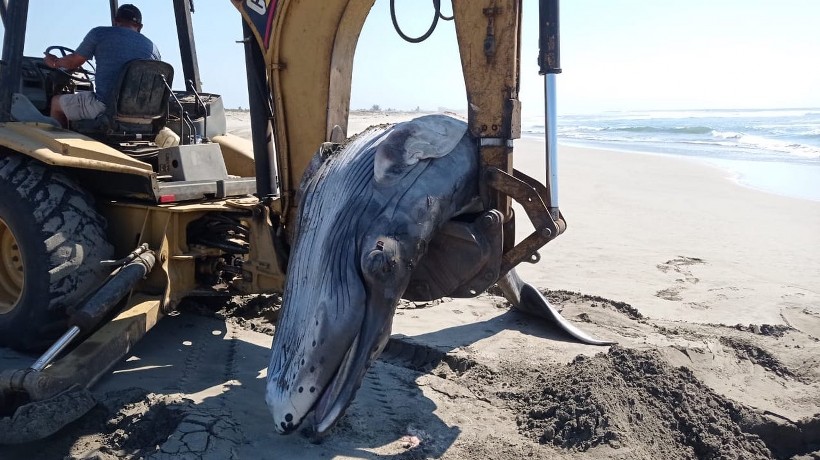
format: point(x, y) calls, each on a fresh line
point(64, 148)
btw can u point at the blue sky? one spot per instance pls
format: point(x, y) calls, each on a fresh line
point(616, 55)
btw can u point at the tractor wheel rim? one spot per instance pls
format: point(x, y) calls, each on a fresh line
point(11, 270)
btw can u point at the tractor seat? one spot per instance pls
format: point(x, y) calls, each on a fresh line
point(138, 107)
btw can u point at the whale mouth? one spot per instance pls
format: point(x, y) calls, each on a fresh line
point(366, 347)
point(332, 403)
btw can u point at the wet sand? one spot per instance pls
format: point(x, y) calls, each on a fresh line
point(710, 289)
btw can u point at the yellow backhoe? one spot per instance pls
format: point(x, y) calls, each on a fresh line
point(106, 226)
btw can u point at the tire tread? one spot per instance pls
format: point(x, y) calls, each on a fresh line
point(72, 234)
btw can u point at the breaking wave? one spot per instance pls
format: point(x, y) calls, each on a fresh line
point(737, 134)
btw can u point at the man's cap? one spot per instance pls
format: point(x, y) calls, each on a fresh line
point(129, 12)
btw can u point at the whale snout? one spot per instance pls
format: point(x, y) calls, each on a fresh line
point(282, 411)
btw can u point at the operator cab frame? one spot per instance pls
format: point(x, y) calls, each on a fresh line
point(190, 119)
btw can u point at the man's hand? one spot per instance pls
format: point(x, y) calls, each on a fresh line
point(51, 61)
point(68, 62)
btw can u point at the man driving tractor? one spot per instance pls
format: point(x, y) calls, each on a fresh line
point(112, 47)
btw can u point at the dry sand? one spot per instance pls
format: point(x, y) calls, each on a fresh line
point(710, 289)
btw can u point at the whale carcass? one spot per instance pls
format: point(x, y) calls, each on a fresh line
point(367, 215)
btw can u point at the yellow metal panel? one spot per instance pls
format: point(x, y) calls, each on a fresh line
point(67, 148)
point(341, 64)
point(164, 228)
point(491, 79)
point(238, 155)
point(311, 59)
point(489, 37)
point(95, 356)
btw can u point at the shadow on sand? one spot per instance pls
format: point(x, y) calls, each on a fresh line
point(193, 364)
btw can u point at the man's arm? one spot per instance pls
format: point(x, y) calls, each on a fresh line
point(74, 60)
point(71, 61)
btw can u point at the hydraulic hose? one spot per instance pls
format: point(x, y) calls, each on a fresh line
point(101, 304)
point(426, 35)
point(104, 300)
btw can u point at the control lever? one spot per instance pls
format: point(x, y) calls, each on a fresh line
point(183, 115)
point(204, 110)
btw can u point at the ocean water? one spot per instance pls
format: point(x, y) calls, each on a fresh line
point(777, 151)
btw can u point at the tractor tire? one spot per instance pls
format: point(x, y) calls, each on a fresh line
point(51, 243)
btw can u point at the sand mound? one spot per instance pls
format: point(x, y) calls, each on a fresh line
point(560, 297)
point(629, 397)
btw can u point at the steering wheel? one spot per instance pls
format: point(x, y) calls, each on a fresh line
point(82, 74)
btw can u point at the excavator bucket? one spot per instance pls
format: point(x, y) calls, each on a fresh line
point(37, 401)
point(39, 419)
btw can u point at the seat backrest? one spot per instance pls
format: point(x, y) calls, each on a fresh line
point(141, 95)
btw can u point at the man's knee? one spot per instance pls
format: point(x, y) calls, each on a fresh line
point(56, 111)
point(55, 103)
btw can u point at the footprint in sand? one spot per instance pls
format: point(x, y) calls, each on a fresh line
point(678, 267)
point(669, 294)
